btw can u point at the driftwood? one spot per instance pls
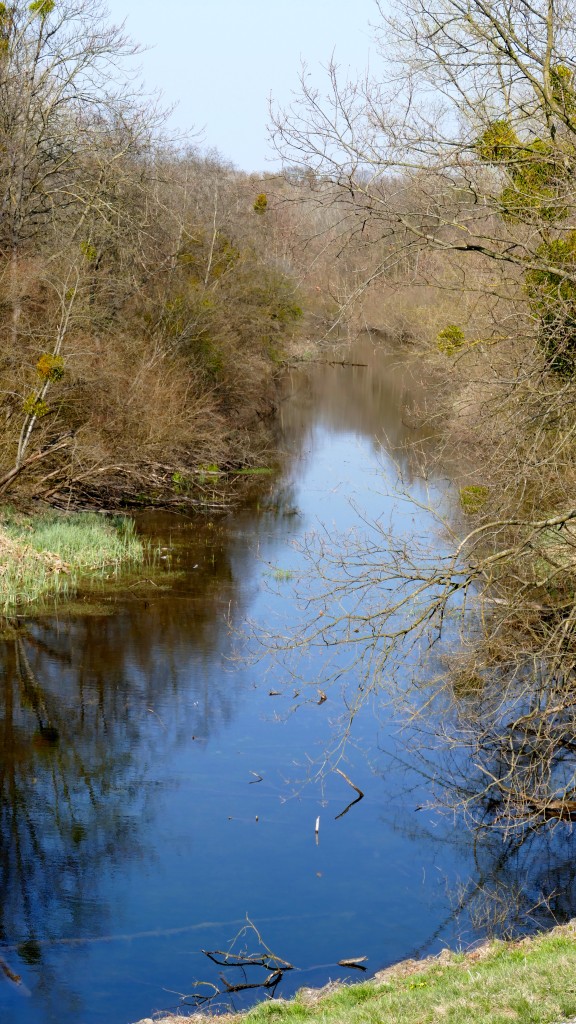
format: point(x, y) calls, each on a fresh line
point(331, 362)
point(9, 973)
point(268, 960)
point(563, 810)
point(8, 478)
point(206, 993)
point(354, 961)
point(343, 362)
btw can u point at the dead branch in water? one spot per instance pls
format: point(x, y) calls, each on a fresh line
point(350, 783)
point(356, 801)
point(270, 961)
point(354, 961)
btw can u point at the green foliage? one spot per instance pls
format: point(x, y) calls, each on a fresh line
point(472, 498)
point(535, 169)
point(50, 367)
point(563, 88)
point(5, 25)
point(35, 406)
point(261, 203)
point(206, 257)
point(539, 177)
point(86, 540)
point(553, 301)
point(451, 339)
point(530, 983)
point(48, 555)
point(535, 189)
point(282, 575)
point(181, 482)
point(209, 472)
point(88, 250)
point(211, 358)
point(498, 143)
point(275, 293)
point(228, 302)
point(42, 7)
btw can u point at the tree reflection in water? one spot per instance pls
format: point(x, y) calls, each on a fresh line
point(514, 885)
point(498, 758)
point(60, 814)
point(96, 709)
point(89, 706)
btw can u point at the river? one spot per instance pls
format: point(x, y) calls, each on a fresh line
point(159, 787)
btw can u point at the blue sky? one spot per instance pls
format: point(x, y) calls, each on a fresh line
point(219, 62)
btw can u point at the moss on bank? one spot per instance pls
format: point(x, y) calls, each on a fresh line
point(532, 981)
point(47, 556)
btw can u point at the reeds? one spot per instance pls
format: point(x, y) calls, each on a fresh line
point(49, 556)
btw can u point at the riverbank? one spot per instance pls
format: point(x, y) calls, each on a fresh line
point(531, 981)
point(48, 554)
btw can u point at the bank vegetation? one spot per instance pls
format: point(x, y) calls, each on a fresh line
point(446, 178)
point(147, 295)
point(530, 981)
point(46, 557)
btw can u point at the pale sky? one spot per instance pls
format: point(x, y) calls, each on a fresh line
point(220, 61)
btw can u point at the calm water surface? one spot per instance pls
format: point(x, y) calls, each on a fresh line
point(154, 792)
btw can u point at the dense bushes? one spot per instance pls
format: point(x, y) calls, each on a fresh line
point(143, 308)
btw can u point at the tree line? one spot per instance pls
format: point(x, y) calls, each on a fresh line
point(146, 292)
point(450, 172)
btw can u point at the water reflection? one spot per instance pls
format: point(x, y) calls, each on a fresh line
point(383, 400)
point(134, 829)
point(70, 798)
point(515, 885)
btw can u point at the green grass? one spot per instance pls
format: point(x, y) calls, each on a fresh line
point(529, 982)
point(48, 556)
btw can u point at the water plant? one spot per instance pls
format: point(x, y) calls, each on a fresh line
point(282, 575)
point(50, 555)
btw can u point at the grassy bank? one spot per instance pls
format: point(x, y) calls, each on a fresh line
point(47, 556)
point(531, 982)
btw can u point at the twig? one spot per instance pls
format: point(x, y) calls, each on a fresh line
point(350, 783)
point(356, 790)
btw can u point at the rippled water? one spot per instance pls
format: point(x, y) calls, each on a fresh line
point(155, 790)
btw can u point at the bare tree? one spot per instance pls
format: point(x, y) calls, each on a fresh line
point(69, 120)
point(459, 160)
point(463, 145)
